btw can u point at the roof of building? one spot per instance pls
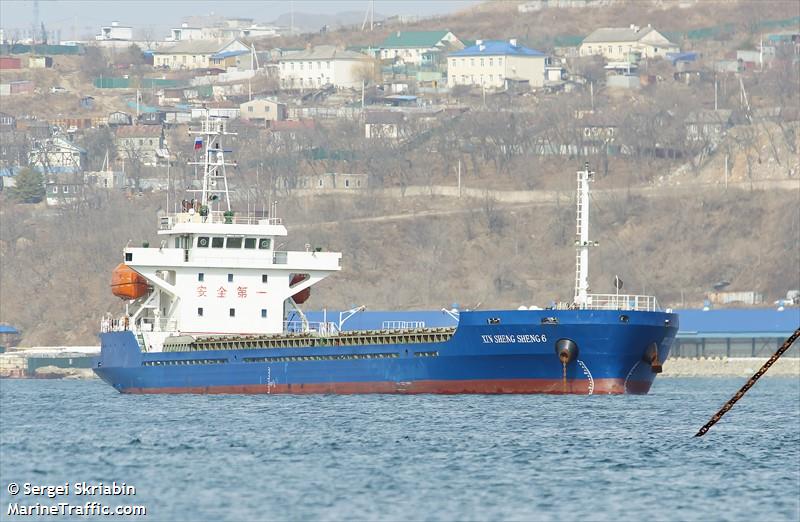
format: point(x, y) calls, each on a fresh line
point(195, 47)
point(139, 131)
point(618, 34)
point(8, 329)
point(322, 52)
point(710, 116)
point(292, 125)
point(731, 322)
point(228, 54)
point(413, 39)
point(496, 48)
point(383, 117)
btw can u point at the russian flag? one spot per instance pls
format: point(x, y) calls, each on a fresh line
point(198, 143)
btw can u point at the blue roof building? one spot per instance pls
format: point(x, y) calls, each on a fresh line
point(492, 64)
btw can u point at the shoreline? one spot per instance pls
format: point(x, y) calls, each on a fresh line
point(729, 367)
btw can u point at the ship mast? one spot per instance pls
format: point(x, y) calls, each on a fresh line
point(215, 181)
point(582, 242)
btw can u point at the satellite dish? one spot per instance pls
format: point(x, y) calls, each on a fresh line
point(617, 282)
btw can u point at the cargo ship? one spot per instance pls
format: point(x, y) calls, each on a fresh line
point(216, 307)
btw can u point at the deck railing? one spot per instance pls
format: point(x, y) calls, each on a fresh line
point(642, 303)
point(168, 221)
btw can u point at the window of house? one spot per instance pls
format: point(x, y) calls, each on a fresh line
point(472, 62)
point(232, 312)
point(201, 276)
point(264, 278)
point(234, 242)
point(250, 108)
point(250, 242)
point(202, 242)
point(263, 313)
point(491, 62)
point(65, 189)
point(264, 244)
point(481, 62)
point(320, 182)
point(200, 312)
point(230, 278)
point(217, 242)
point(358, 183)
point(54, 189)
point(346, 183)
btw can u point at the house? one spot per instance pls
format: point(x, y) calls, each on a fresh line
point(7, 122)
point(241, 60)
point(61, 193)
point(708, 125)
point(412, 46)
point(142, 143)
point(119, 118)
point(627, 43)
point(332, 181)
point(115, 32)
point(383, 124)
point(492, 63)
point(57, 155)
point(194, 54)
point(322, 65)
point(262, 110)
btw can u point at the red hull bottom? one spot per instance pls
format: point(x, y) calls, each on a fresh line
point(520, 386)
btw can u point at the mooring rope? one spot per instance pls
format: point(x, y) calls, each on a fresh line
point(728, 405)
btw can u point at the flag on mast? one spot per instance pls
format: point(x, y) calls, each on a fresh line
point(198, 143)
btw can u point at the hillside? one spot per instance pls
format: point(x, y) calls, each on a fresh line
point(672, 243)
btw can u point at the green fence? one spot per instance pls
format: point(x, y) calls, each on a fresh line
point(134, 83)
point(41, 49)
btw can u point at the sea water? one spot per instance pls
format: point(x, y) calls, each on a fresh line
point(393, 457)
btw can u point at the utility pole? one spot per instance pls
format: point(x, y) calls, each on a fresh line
point(715, 93)
point(459, 177)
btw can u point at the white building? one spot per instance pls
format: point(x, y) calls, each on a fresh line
point(416, 46)
point(115, 32)
point(322, 65)
point(195, 54)
point(492, 63)
point(625, 43)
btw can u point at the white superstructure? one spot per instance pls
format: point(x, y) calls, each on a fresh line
point(215, 272)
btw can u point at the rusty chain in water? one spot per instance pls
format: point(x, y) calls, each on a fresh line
point(728, 405)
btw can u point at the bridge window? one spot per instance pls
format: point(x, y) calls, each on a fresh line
point(250, 242)
point(264, 313)
point(264, 278)
point(234, 242)
point(202, 242)
point(264, 244)
point(217, 242)
point(200, 312)
point(232, 312)
point(230, 278)
point(200, 276)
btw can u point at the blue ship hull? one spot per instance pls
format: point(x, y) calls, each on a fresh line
point(490, 352)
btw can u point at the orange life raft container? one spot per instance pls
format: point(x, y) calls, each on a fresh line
point(127, 283)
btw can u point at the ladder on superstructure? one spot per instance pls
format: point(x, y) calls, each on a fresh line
point(582, 242)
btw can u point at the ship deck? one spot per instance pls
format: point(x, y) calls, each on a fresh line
point(305, 340)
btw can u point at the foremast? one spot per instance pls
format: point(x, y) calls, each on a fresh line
point(214, 188)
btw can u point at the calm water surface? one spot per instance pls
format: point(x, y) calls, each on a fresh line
point(414, 457)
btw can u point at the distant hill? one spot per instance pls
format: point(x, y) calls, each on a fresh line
point(311, 22)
